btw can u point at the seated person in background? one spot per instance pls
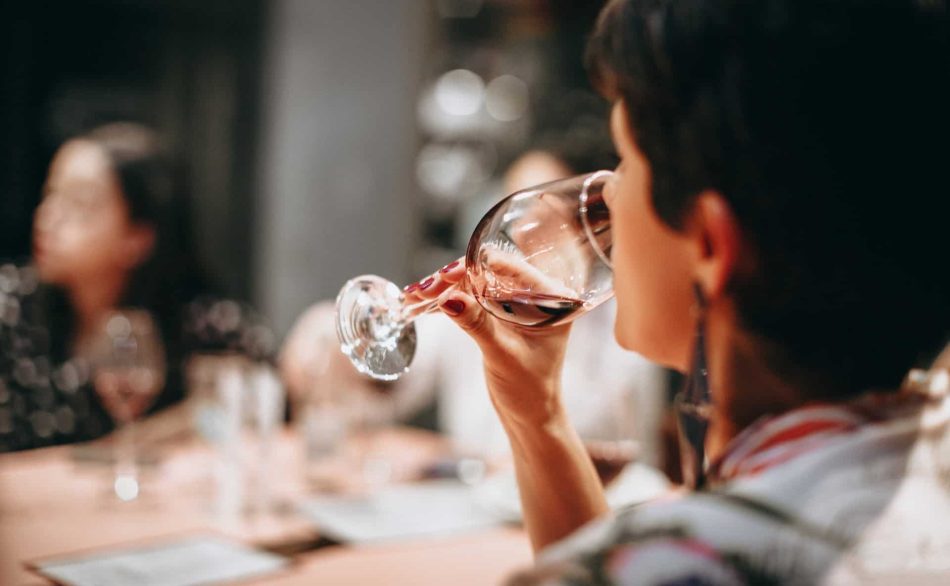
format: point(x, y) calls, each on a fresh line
point(110, 232)
point(613, 395)
point(774, 235)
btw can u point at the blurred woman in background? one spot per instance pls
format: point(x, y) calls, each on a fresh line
point(111, 231)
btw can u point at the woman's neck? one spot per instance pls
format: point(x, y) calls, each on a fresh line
point(744, 389)
point(91, 300)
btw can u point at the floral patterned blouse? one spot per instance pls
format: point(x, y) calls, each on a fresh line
point(47, 399)
point(855, 493)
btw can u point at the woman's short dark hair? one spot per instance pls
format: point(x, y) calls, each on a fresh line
point(825, 126)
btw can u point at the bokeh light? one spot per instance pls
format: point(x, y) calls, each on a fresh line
point(460, 92)
point(506, 98)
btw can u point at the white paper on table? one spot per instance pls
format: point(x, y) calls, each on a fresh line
point(184, 562)
point(429, 509)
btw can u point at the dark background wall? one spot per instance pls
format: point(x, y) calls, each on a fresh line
point(188, 68)
point(305, 123)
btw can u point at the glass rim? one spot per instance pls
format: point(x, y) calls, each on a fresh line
point(583, 209)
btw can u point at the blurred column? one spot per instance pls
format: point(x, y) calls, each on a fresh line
point(337, 188)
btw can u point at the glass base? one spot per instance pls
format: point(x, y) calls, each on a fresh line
point(372, 332)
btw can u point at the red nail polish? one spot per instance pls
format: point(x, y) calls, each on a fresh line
point(453, 307)
point(426, 284)
point(410, 288)
point(449, 266)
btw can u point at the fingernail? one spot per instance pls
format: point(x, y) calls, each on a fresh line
point(426, 284)
point(453, 307)
point(410, 288)
point(449, 266)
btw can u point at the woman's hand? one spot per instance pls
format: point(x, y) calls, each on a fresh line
point(559, 487)
point(522, 365)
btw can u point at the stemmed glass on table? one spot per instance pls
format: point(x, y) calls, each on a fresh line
point(128, 362)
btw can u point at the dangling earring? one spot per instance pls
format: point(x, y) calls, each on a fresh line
point(693, 403)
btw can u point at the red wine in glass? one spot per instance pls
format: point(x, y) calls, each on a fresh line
point(531, 309)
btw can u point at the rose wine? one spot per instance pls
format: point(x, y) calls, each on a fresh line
point(531, 309)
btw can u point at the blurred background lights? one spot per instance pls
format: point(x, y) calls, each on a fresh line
point(119, 326)
point(126, 488)
point(506, 98)
point(940, 382)
point(460, 92)
point(445, 171)
point(225, 315)
point(9, 278)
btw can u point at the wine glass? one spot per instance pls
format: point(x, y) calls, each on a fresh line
point(539, 258)
point(128, 363)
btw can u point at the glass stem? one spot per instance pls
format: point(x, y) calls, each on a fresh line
point(126, 465)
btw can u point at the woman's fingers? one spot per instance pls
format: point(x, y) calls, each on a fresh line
point(457, 303)
point(454, 271)
point(435, 284)
point(462, 308)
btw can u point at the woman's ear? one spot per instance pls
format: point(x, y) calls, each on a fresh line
point(718, 238)
point(139, 244)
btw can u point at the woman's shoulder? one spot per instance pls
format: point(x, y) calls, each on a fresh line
point(19, 286)
point(660, 542)
point(791, 523)
point(27, 312)
point(42, 391)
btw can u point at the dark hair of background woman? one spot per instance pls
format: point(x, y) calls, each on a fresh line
point(832, 153)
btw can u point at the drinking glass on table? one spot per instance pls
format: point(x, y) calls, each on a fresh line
point(128, 362)
point(539, 258)
point(325, 412)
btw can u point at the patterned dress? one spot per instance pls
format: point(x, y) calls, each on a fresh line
point(46, 397)
point(855, 493)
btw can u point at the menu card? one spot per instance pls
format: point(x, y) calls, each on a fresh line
point(183, 562)
point(428, 509)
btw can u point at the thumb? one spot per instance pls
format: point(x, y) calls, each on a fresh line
point(465, 311)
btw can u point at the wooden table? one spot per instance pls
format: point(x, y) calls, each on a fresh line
point(50, 505)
